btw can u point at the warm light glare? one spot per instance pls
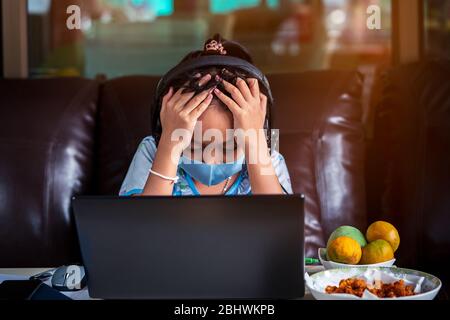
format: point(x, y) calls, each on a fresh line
point(337, 17)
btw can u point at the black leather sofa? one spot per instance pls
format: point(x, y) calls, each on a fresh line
point(66, 137)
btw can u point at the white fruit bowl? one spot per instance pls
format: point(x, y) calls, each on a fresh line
point(327, 264)
point(429, 284)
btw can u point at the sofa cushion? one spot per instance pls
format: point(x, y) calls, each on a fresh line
point(46, 146)
point(410, 163)
point(319, 115)
point(124, 120)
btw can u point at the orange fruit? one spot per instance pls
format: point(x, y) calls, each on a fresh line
point(376, 252)
point(344, 250)
point(385, 231)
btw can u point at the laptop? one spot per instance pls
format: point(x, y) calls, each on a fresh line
point(209, 247)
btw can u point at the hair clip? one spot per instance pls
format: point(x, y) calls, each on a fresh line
point(213, 45)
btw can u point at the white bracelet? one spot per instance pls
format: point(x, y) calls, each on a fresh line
point(173, 179)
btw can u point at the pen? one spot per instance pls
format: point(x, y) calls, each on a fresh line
point(312, 261)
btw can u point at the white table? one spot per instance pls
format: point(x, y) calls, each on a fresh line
point(84, 294)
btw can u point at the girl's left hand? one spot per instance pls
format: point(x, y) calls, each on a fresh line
point(248, 105)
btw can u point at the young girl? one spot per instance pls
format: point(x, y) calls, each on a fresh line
point(207, 136)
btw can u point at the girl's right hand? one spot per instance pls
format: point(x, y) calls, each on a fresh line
point(180, 112)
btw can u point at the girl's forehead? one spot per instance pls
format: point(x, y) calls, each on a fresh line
point(216, 116)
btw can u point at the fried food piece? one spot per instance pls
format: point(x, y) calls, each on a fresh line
point(393, 290)
point(382, 290)
point(349, 286)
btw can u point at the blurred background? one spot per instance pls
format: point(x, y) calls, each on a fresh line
point(120, 37)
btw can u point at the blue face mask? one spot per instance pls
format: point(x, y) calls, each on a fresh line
point(210, 174)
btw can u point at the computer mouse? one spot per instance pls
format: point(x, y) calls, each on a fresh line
point(69, 278)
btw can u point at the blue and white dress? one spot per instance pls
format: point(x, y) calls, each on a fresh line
point(138, 172)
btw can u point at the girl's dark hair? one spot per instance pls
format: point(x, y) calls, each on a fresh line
point(221, 47)
point(213, 46)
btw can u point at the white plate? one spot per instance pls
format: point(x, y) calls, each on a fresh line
point(430, 285)
point(327, 264)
